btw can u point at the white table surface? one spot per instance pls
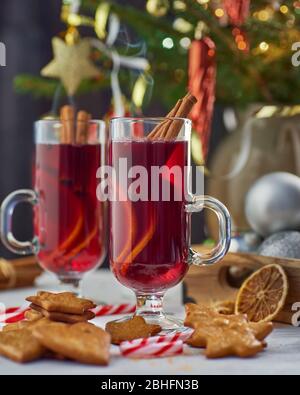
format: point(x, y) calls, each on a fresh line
point(281, 358)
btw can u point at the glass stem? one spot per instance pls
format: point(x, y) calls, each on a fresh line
point(150, 306)
point(70, 285)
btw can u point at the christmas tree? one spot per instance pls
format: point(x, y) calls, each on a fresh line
point(253, 47)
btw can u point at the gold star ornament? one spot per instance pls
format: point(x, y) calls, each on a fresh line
point(71, 64)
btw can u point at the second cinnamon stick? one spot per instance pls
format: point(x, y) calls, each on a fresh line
point(82, 127)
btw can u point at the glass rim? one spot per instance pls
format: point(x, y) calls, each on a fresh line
point(55, 121)
point(149, 119)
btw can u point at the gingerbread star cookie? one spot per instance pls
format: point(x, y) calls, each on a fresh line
point(135, 328)
point(225, 335)
point(225, 307)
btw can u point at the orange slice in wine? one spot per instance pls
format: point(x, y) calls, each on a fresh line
point(143, 242)
point(84, 243)
point(68, 241)
point(130, 220)
point(263, 295)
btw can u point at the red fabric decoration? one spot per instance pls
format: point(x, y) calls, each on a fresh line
point(237, 11)
point(202, 84)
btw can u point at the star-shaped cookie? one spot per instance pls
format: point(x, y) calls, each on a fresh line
point(225, 335)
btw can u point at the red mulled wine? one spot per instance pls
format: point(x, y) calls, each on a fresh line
point(68, 220)
point(149, 238)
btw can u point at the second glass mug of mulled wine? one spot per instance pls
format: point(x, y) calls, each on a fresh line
point(69, 220)
point(150, 248)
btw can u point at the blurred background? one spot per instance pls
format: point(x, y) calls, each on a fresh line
point(26, 28)
point(234, 56)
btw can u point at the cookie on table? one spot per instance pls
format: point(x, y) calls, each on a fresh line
point(15, 326)
point(82, 342)
point(134, 328)
point(225, 307)
point(63, 317)
point(225, 335)
point(29, 325)
point(261, 330)
point(65, 302)
point(20, 346)
point(33, 315)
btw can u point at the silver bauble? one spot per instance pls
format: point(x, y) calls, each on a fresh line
point(281, 245)
point(273, 204)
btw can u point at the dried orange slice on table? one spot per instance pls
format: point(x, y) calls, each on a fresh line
point(263, 295)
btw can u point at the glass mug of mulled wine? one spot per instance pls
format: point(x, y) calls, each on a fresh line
point(69, 220)
point(150, 247)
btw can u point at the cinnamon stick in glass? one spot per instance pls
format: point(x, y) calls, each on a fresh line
point(82, 128)
point(169, 129)
point(183, 112)
point(159, 129)
point(67, 117)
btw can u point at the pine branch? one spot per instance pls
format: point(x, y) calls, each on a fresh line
point(45, 87)
point(37, 86)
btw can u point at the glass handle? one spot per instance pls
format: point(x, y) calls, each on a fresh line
point(208, 258)
point(6, 222)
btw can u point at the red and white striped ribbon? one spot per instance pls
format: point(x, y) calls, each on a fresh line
point(156, 346)
point(15, 314)
point(152, 350)
point(124, 308)
point(167, 338)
